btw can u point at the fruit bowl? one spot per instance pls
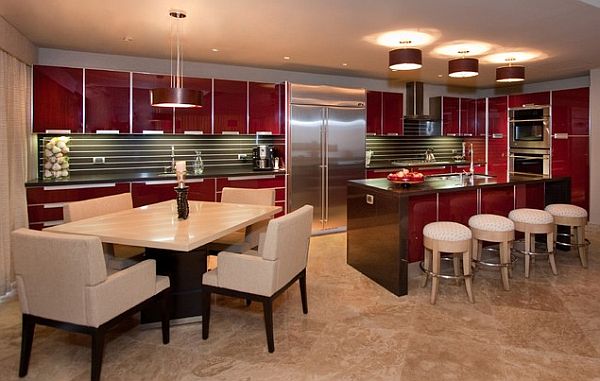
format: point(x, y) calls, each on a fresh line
point(405, 177)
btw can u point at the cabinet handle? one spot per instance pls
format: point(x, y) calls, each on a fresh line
point(427, 168)
point(193, 132)
point(469, 134)
point(251, 177)
point(497, 136)
point(107, 132)
point(264, 133)
point(79, 186)
point(392, 134)
point(451, 134)
point(370, 199)
point(561, 136)
point(152, 132)
point(58, 131)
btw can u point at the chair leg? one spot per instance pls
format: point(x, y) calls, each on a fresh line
point(97, 352)
point(527, 256)
point(583, 250)
point(303, 293)
point(456, 265)
point(505, 261)
point(205, 313)
point(427, 265)
point(550, 243)
point(435, 281)
point(164, 316)
point(268, 313)
point(466, 273)
point(26, 343)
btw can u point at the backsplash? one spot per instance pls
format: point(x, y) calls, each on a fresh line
point(150, 153)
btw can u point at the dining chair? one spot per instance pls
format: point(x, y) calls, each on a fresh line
point(244, 239)
point(264, 274)
point(117, 256)
point(62, 283)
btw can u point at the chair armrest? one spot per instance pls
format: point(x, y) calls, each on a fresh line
point(246, 273)
point(121, 291)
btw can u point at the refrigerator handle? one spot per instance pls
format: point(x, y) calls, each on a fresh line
point(323, 169)
point(326, 169)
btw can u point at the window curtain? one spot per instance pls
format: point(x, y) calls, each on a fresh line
point(15, 89)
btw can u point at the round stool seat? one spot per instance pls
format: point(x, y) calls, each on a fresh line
point(491, 222)
point(447, 231)
point(566, 210)
point(531, 216)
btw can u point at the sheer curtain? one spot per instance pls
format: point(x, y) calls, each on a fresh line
point(15, 88)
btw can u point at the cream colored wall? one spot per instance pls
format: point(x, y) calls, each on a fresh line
point(15, 44)
point(594, 146)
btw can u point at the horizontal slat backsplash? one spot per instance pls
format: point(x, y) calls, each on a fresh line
point(151, 153)
point(405, 148)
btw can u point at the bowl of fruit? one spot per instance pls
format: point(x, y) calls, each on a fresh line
point(406, 177)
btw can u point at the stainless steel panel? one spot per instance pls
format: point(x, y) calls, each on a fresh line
point(306, 160)
point(326, 95)
point(345, 159)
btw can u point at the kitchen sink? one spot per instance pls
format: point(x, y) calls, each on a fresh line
point(456, 176)
point(166, 174)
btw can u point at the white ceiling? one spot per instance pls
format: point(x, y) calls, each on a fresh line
point(320, 35)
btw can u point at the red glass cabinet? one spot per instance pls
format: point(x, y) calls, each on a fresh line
point(146, 117)
point(571, 111)
point(497, 135)
point(450, 116)
point(392, 113)
point(107, 100)
point(519, 100)
point(263, 108)
point(230, 108)
point(374, 99)
point(196, 119)
point(421, 211)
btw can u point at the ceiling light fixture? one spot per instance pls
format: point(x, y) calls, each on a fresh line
point(463, 67)
point(510, 73)
point(176, 95)
point(405, 58)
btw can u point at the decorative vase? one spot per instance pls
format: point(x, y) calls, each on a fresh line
point(183, 207)
point(56, 157)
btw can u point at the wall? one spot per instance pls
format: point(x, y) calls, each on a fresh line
point(594, 145)
point(15, 44)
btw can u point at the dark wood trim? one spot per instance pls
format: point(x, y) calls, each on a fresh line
point(97, 333)
point(267, 302)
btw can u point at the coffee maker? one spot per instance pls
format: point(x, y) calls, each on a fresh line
point(263, 157)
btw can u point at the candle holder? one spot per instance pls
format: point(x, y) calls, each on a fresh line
point(183, 207)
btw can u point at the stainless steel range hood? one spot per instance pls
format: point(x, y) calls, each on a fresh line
point(415, 121)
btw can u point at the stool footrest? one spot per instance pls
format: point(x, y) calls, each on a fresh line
point(513, 259)
point(571, 236)
point(444, 276)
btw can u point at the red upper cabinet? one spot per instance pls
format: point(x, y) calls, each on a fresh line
point(450, 116)
point(57, 98)
point(393, 113)
point(519, 100)
point(497, 135)
point(146, 117)
point(230, 108)
point(263, 108)
point(107, 100)
point(467, 117)
point(571, 111)
point(374, 99)
point(480, 117)
point(196, 119)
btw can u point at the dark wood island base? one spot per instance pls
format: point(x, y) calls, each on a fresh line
point(385, 221)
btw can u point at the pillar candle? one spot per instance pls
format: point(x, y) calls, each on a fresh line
point(180, 166)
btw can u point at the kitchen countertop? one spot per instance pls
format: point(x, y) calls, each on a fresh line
point(142, 176)
point(419, 163)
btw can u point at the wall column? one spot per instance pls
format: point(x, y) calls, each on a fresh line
point(594, 146)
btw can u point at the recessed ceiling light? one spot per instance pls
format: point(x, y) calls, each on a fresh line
point(127, 38)
point(214, 49)
point(344, 64)
point(515, 56)
point(287, 58)
point(440, 75)
point(418, 37)
point(454, 49)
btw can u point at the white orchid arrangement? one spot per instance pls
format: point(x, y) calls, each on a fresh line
point(56, 157)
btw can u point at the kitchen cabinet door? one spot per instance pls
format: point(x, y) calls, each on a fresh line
point(529, 196)
point(498, 136)
point(457, 206)
point(393, 113)
point(374, 109)
point(196, 119)
point(570, 157)
point(146, 117)
point(263, 110)
point(230, 108)
point(498, 201)
point(571, 111)
point(450, 116)
point(57, 98)
point(421, 211)
point(428, 171)
point(467, 117)
point(107, 100)
point(480, 117)
point(519, 100)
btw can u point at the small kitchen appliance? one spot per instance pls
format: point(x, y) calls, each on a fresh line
point(263, 157)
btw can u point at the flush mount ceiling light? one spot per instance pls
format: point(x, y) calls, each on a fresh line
point(176, 95)
point(510, 73)
point(405, 58)
point(463, 67)
point(418, 38)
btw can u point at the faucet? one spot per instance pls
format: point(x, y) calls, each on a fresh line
point(429, 156)
point(471, 167)
point(171, 168)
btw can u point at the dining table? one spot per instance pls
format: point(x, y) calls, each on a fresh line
point(177, 245)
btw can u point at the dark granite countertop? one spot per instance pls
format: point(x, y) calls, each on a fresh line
point(450, 183)
point(141, 176)
point(419, 163)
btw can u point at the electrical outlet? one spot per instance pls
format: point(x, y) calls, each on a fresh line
point(242, 156)
point(98, 160)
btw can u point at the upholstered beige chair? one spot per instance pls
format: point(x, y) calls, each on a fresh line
point(62, 283)
point(264, 274)
point(245, 239)
point(117, 256)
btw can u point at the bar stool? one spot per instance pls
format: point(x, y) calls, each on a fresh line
point(531, 222)
point(497, 229)
point(446, 237)
point(575, 218)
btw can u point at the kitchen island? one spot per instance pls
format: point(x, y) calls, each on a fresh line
point(386, 220)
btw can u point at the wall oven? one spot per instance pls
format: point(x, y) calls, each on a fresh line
point(530, 162)
point(529, 127)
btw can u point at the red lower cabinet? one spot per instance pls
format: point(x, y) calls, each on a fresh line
point(529, 196)
point(151, 192)
point(498, 201)
point(421, 211)
point(457, 206)
point(570, 157)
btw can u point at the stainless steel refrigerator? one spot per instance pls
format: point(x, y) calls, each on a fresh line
point(326, 148)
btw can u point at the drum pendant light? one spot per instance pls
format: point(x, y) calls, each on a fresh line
point(176, 95)
point(463, 67)
point(510, 73)
point(405, 58)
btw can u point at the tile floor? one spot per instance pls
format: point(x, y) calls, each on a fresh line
point(545, 328)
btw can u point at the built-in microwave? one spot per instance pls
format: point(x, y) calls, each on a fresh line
point(529, 127)
point(530, 162)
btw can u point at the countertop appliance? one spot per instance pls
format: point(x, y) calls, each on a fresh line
point(529, 126)
point(326, 147)
point(263, 157)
